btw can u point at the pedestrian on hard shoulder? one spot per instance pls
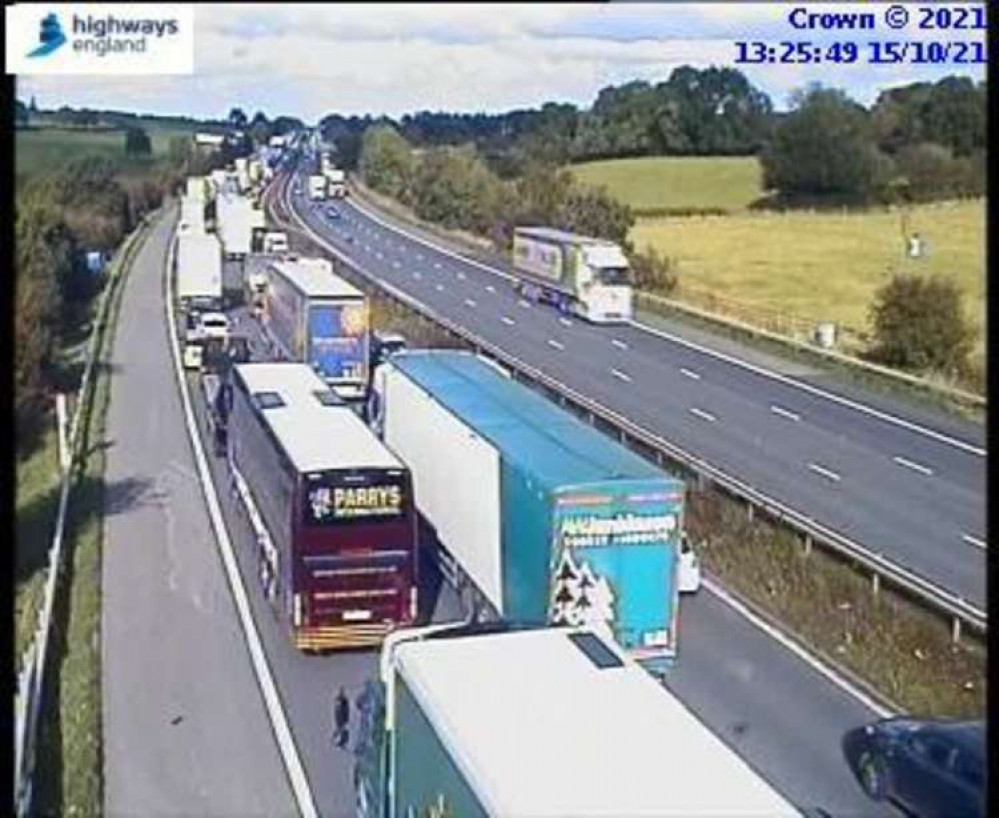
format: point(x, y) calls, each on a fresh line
point(341, 718)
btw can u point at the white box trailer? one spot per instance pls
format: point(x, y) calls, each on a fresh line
point(237, 219)
point(199, 270)
point(541, 723)
point(192, 214)
point(196, 187)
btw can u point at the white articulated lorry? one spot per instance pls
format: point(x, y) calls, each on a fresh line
point(578, 274)
point(199, 270)
point(543, 723)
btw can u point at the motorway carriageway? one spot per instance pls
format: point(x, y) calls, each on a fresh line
point(776, 710)
point(888, 482)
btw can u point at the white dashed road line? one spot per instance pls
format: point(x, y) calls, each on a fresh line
point(973, 541)
point(396, 264)
point(555, 344)
point(524, 303)
point(619, 343)
point(417, 275)
point(690, 373)
point(909, 464)
point(440, 288)
point(508, 321)
point(828, 474)
point(469, 302)
point(490, 288)
point(702, 414)
point(437, 265)
point(461, 276)
point(624, 376)
point(784, 413)
point(565, 322)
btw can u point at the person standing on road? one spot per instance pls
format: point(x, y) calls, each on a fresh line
point(341, 719)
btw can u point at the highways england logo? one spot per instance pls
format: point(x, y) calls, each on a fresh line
point(99, 38)
point(51, 37)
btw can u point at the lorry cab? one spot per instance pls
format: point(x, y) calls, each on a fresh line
point(605, 283)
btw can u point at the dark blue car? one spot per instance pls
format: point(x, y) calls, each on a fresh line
point(332, 213)
point(929, 768)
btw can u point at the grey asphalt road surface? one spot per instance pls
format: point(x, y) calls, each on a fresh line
point(911, 496)
point(776, 710)
point(185, 727)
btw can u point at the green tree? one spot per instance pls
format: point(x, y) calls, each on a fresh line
point(236, 118)
point(825, 146)
point(919, 324)
point(387, 163)
point(653, 271)
point(137, 142)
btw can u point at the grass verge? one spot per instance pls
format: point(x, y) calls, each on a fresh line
point(69, 762)
point(898, 649)
point(36, 503)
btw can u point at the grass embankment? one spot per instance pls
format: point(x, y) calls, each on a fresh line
point(36, 503)
point(659, 185)
point(69, 774)
point(898, 649)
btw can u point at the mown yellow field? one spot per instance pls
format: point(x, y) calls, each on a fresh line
point(821, 266)
point(657, 183)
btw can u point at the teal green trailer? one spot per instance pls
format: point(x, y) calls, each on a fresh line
point(542, 519)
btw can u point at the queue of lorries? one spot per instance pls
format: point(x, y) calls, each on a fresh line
point(351, 453)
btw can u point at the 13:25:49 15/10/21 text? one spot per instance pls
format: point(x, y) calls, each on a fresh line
point(875, 52)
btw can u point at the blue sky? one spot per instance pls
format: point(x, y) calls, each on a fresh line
point(310, 60)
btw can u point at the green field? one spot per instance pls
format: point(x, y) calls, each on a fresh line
point(45, 148)
point(656, 185)
point(821, 265)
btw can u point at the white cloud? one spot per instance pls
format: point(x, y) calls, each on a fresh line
point(309, 60)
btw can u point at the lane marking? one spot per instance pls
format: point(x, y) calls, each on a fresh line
point(974, 541)
point(619, 343)
point(877, 413)
point(396, 264)
point(417, 275)
point(565, 322)
point(789, 644)
point(784, 413)
point(690, 373)
point(461, 276)
point(440, 288)
point(624, 376)
point(555, 344)
point(525, 304)
point(265, 680)
point(910, 464)
point(490, 288)
point(828, 474)
point(469, 302)
point(437, 265)
point(380, 254)
point(419, 256)
point(702, 414)
point(508, 321)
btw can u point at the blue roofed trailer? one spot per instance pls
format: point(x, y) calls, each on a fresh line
point(571, 727)
point(541, 518)
point(317, 318)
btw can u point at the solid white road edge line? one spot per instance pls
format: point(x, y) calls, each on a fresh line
point(279, 722)
point(814, 663)
point(860, 407)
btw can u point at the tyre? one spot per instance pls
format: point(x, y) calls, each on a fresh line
point(872, 776)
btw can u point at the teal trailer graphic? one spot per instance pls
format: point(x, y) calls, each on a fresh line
point(615, 561)
point(51, 36)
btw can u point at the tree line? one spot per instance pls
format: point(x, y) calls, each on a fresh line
point(88, 205)
point(916, 142)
